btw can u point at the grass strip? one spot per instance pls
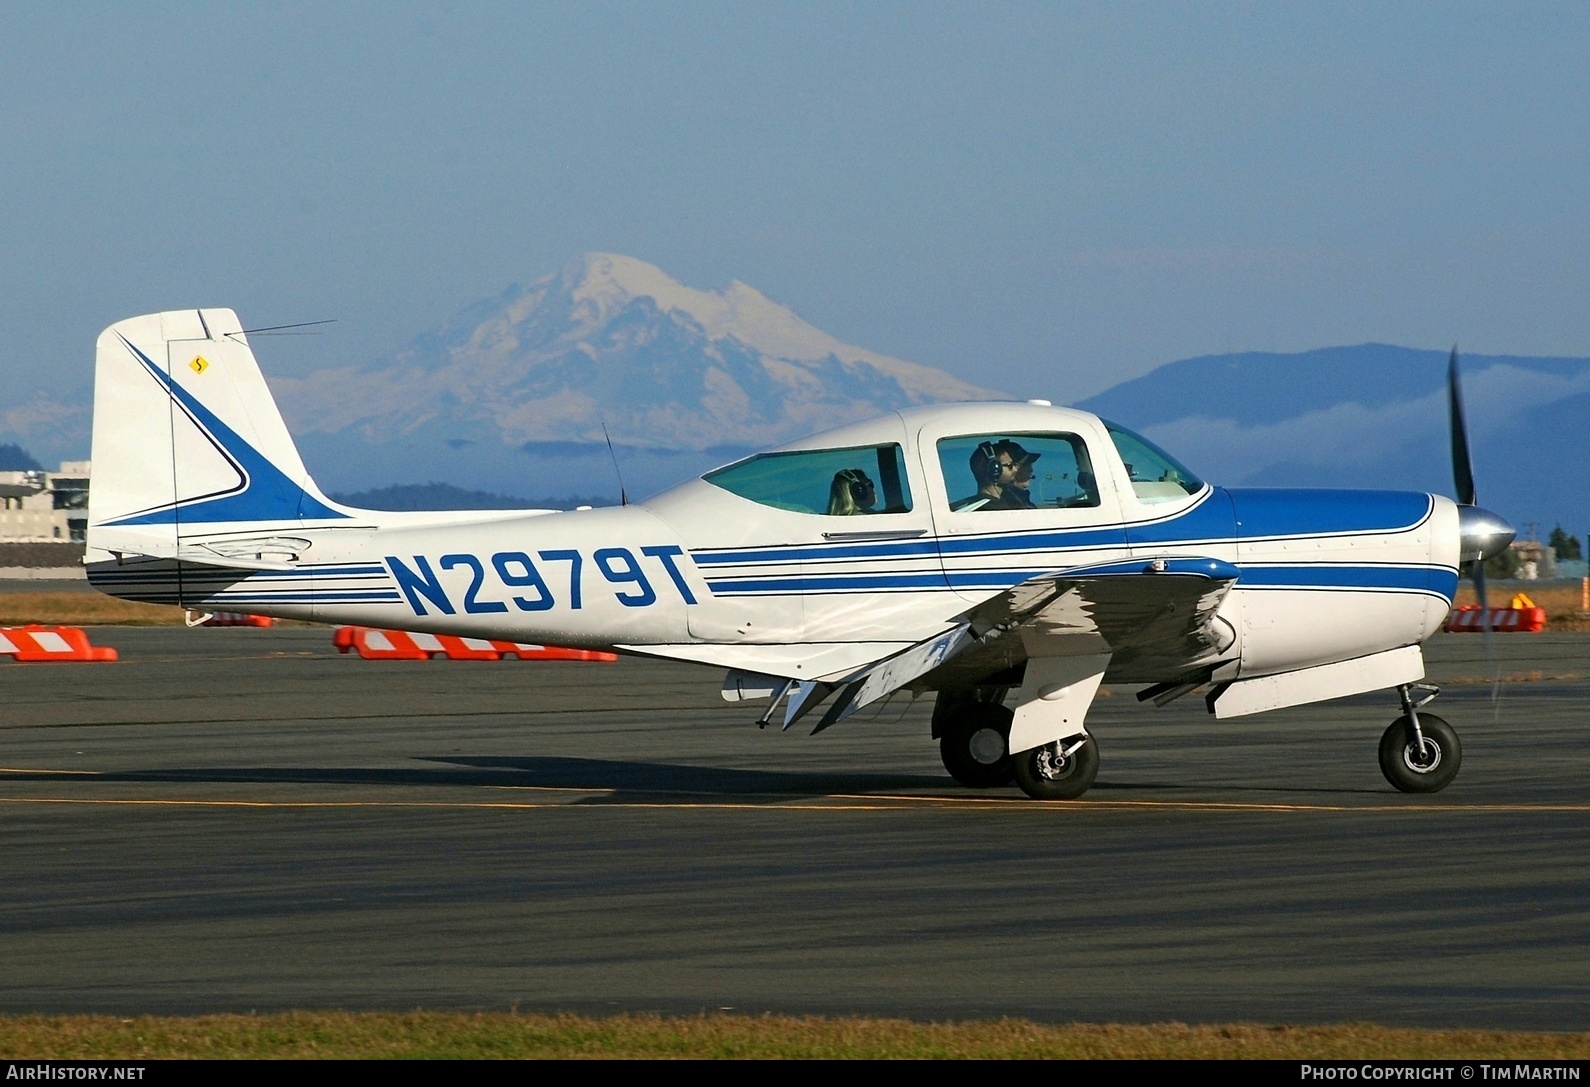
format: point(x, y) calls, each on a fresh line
point(508, 1035)
point(81, 609)
point(93, 610)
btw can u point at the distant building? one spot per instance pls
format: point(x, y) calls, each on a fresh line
point(45, 507)
point(1535, 559)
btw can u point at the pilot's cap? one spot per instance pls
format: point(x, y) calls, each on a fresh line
point(1017, 454)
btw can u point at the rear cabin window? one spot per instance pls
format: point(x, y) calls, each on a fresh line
point(860, 481)
point(1005, 471)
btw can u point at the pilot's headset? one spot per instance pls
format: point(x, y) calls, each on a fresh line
point(984, 464)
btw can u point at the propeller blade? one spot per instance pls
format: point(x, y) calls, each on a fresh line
point(1462, 464)
point(1478, 570)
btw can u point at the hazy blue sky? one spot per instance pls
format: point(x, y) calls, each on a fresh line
point(1043, 198)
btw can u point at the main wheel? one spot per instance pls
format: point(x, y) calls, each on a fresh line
point(975, 746)
point(1413, 770)
point(1044, 773)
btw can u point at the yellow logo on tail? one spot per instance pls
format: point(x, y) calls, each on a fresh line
point(198, 365)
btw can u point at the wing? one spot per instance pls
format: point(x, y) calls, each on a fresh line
point(1151, 618)
point(1155, 618)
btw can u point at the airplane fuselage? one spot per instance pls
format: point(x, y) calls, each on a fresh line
point(1324, 576)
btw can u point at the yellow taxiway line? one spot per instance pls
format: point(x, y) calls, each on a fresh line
point(832, 802)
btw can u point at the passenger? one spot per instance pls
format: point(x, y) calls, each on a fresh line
point(851, 493)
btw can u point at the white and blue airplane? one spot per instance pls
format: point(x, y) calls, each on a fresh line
point(1008, 556)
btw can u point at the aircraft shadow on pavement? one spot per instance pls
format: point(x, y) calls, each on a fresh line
point(673, 779)
point(617, 779)
point(621, 780)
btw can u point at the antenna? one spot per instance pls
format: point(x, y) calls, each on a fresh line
point(276, 330)
point(623, 497)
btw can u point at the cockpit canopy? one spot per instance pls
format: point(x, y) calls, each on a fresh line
point(1049, 460)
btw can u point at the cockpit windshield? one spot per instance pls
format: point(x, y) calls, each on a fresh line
point(866, 479)
point(1156, 475)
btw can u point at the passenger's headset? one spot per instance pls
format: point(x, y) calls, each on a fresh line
point(857, 481)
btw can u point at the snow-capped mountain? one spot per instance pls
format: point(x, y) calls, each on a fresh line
point(522, 384)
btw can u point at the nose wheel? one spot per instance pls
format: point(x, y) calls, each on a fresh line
point(1420, 752)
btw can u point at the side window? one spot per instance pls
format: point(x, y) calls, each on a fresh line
point(1017, 472)
point(853, 482)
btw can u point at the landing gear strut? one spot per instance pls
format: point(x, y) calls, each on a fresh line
point(1420, 752)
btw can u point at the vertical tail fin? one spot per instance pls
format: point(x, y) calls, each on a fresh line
point(187, 438)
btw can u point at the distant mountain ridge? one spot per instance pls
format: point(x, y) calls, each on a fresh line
point(1257, 387)
point(412, 497)
point(13, 458)
point(1373, 415)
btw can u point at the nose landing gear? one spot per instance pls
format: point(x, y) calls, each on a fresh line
point(1420, 752)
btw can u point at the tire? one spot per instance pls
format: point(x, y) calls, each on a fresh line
point(1044, 774)
point(1412, 772)
point(975, 745)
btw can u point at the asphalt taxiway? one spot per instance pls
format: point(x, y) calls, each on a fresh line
point(246, 820)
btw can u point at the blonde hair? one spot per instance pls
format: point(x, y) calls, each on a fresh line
point(842, 492)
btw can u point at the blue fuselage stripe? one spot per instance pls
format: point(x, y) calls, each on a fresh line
point(1436, 579)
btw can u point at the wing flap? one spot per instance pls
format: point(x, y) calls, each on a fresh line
point(887, 676)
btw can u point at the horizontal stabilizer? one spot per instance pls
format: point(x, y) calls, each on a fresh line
point(196, 557)
point(266, 553)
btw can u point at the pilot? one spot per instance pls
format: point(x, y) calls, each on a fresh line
point(1015, 489)
point(851, 493)
point(991, 471)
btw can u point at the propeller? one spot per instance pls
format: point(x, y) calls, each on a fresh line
point(1483, 534)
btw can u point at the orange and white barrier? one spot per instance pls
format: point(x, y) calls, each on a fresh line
point(1471, 618)
point(34, 643)
point(229, 619)
point(403, 645)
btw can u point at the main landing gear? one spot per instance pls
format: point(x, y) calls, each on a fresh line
point(974, 742)
point(1420, 752)
point(1062, 770)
